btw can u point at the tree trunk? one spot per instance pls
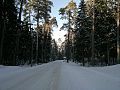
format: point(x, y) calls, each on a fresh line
point(37, 37)
point(2, 42)
point(108, 53)
point(118, 27)
point(18, 31)
point(68, 48)
point(37, 48)
point(2, 38)
point(21, 8)
point(92, 33)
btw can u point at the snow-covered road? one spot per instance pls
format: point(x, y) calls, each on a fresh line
point(60, 75)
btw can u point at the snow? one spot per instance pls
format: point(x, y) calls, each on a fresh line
point(111, 70)
point(82, 78)
point(59, 75)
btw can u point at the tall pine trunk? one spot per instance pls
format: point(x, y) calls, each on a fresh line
point(19, 29)
point(37, 37)
point(92, 34)
point(2, 38)
point(21, 8)
point(3, 32)
point(68, 48)
point(118, 27)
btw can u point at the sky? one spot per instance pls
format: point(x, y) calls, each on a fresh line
point(57, 4)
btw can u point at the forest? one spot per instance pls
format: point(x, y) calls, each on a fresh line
point(93, 32)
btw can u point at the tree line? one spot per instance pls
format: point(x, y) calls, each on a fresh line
point(25, 32)
point(93, 36)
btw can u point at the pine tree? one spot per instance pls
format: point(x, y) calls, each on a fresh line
point(82, 38)
point(8, 41)
point(104, 33)
point(69, 13)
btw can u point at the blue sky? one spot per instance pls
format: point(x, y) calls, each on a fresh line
point(57, 5)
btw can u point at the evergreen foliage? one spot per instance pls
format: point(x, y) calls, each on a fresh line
point(20, 43)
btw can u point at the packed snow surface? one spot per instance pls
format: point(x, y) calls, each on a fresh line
point(59, 75)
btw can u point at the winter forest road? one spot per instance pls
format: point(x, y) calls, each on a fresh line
point(57, 75)
point(42, 77)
